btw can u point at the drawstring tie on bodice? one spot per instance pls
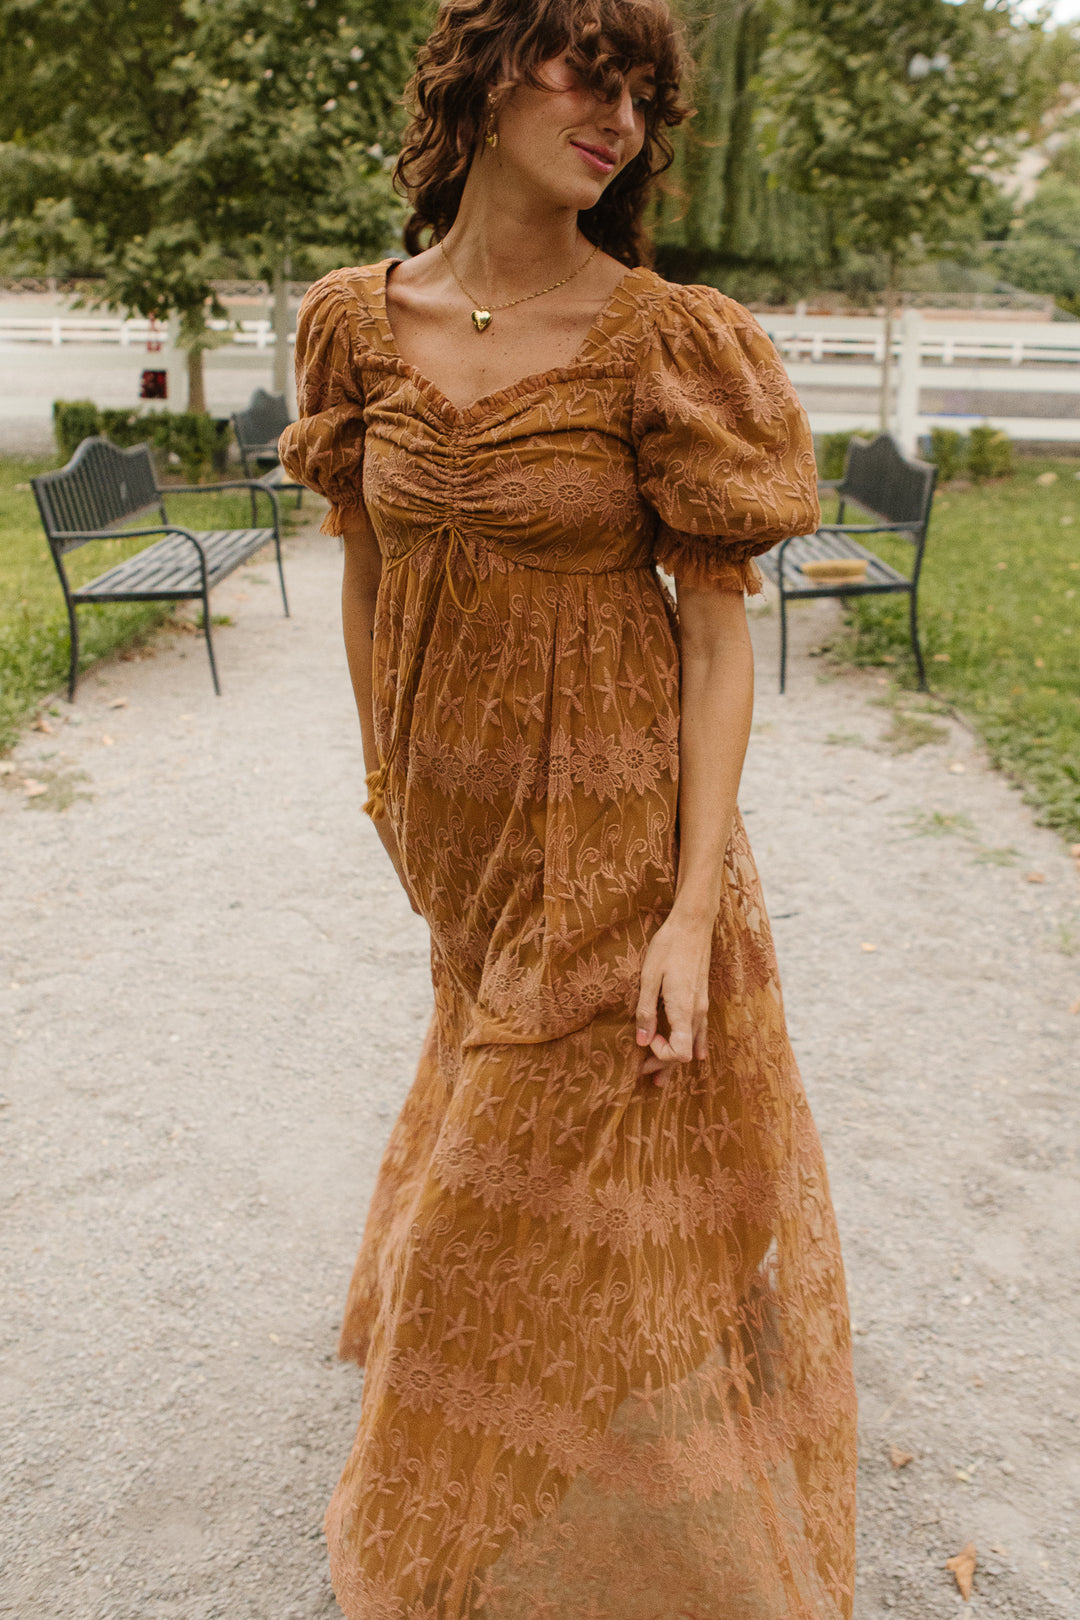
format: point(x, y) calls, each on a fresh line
point(409, 679)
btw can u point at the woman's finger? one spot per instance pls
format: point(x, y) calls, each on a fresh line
point(648, 996)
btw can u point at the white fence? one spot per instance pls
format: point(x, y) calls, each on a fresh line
point(1021, 376)
point(113, 329)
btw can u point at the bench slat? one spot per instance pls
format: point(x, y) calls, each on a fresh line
point(170, 567)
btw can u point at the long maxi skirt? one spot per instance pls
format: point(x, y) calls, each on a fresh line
point(605, 1331)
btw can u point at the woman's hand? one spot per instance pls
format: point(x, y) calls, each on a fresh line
point(388, 839)
point(674, 976)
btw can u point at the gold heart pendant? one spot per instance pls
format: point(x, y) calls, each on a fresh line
point(481, 319)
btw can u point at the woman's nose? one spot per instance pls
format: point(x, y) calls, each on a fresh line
point(619, 114)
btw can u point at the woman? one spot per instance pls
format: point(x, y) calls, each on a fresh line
point(600, 1298)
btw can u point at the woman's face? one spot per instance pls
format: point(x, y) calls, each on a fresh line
point(563, 141)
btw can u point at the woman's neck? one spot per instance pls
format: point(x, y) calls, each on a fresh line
point(504, 240)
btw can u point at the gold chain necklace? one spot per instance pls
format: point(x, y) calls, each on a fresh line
point(482, 317)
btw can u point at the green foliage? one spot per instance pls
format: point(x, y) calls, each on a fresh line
point(154, 138)
point(833, 453)
point(73, 421)
point(199, 442)
point(948, 452)
point(998, 606)
point(989, 453)
point(720, 217)
point(893, 113)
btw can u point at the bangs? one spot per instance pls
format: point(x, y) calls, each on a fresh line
point(604, 41)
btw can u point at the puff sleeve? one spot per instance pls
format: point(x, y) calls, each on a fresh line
point(724, 451)
point(324, 448)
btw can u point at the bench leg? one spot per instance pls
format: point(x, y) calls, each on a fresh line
point(783, 640)
point(281, 574)
point(210, 643)
point(913, 614)
point(73, 662)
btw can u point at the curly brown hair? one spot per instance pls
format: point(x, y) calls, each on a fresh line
point(480, 48)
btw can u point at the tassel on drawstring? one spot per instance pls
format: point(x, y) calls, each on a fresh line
point(376, 803)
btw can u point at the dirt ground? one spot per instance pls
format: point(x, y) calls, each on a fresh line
point(212, 996)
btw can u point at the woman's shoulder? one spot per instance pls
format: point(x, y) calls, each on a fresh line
point(688, 317)
point(353, 294)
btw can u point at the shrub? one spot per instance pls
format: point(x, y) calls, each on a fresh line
point(833, 453)
point(73, 421)
point(199, 442)
point(948, 452)
point(990, 453)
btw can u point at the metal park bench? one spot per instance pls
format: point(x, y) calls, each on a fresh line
point(898, 494)
point(102, 488)
point(258, 428)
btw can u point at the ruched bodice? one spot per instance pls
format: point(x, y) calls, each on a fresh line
point(608, 1373)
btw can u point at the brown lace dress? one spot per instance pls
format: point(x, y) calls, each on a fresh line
point(604, 1323)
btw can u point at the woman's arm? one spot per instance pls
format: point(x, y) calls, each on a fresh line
point(359, 591)
point(716, 702)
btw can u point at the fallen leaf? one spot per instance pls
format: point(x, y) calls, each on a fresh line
point(1047, 478)
point(1075, 1008)
point(1002, 1552)
point(1003, 565)
point(1035, 877)
point(41, 724)
point(1040, 663)
point(107, 741)
point(963, 1568)
point(7, 767)
point(33, 789)
point(957, 768)
point(118, 703)
point(1074, 851)
point(962, 1475)
point(900, 1459)
point(867, 947)
point(942, 658)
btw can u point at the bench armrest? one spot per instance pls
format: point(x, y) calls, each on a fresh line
point(124, 534)
point(871, 528)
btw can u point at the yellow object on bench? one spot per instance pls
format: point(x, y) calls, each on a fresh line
point(835, 568)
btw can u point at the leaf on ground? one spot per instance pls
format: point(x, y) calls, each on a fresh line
point(963, 1568)
point(41, 724)
point(107, 741)
point(1035, 877)
point(1075, 1008)
point(8, 767)
point(33, 789)
point(867, 947)
point(118, 703)
point(900, 1459)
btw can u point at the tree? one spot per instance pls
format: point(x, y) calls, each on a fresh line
point(719, 214)
point(165, 138)
point(896, 114)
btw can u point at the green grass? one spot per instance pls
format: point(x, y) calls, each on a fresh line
point(999, 607)
point(33, 622)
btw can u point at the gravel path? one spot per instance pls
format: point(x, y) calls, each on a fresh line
point(212, 996)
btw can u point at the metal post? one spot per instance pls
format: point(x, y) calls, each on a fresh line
point(907, 389)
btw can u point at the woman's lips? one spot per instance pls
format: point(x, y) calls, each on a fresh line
point(601, 162)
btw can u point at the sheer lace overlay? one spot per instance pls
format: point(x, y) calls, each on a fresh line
point(604, 1323)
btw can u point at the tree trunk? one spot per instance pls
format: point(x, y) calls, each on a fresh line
point(196, 380)
point(282, 354)
point(887, 363)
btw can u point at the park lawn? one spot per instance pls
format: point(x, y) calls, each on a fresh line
point(999, 607)
point(33, 620)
